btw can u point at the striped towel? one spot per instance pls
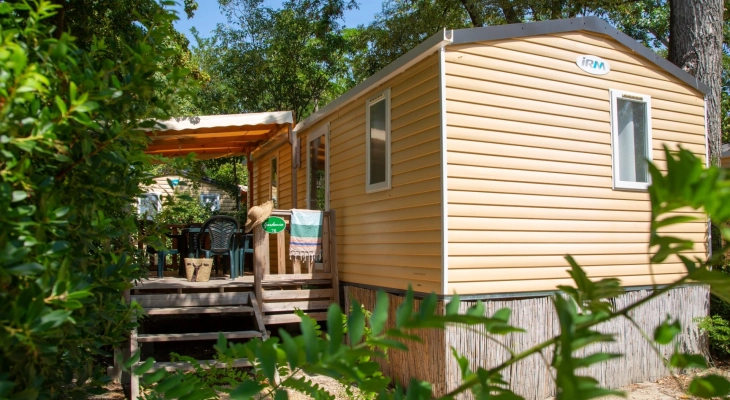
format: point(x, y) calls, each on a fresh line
point(306, 234)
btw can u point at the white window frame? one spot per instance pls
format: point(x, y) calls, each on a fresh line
point(615, 95)
point(218, 197)
point(385, 185)
point(274, 161)
point(321, 131)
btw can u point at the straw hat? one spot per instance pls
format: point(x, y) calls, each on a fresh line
point(258, 214)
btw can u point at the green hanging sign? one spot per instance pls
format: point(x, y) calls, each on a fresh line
point(274, 225)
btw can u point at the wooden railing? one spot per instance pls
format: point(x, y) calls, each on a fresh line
point(284, 271)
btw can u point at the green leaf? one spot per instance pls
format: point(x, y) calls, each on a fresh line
point(154, 377)
point(168, 383)
point(334, 327)
point(709, 386)
point(144, 367)
point(380, 313)
point(685, 360)
point(26, 269)
point(503, 314)
point(281, 395)
point(427, 307)
point(680, 219)
point(356, 324)
point(61, 105)
point(719, 281)
point(132, 360)
point(55, 318)
point(665, 333)
point(387, 344)
point(183, 388)
point(404, 311)
point(290, 348)
point(267, 357)
point(452, 308)
point(309, 335)
point(19, 195)
point(594, 359)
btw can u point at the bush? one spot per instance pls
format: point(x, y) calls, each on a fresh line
point(71, 163)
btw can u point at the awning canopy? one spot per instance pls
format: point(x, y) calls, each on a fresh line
point(214, 136)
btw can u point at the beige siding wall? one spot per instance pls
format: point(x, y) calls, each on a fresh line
point(389, 238)
point(162, 187)
point(529, 163)
point(262, 176)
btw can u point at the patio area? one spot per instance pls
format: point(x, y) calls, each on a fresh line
point(271, 287)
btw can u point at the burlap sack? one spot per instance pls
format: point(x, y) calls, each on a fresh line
point(198, 269)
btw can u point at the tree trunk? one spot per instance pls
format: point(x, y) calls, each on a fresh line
point(695, 45)
point(477, 19)
point(509, 10)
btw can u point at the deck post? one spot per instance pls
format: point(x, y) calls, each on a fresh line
point(281, 253)
point(260, 251)
point(333, 256)
point(326, 251)
point(133, 348)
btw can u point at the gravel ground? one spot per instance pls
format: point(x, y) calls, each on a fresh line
point(663, 389)
point(666, 388)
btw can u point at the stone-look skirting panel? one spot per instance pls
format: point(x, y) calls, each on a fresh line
point(432, 360)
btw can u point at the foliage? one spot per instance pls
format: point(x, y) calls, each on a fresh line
point(71, 163)
point(227, 172)
point(270, 59)
point(718, 330)
point(403, 24)
point(117, 26)
point(183, 207)
point(210, 376)
point(346, 353)
point(230, 172)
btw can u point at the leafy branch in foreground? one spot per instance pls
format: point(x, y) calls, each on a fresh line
point(71, 162)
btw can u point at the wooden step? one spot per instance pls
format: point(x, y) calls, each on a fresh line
point(180, 337)
point(191, 299)
point(185, 366)
point(282, 283)
point(292, 318)
point(297, 305)
point(199, 310)
point(293, 279)
point(298, 294)
point(206, 364)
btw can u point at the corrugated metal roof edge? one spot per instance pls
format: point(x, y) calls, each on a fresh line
point(471, 35)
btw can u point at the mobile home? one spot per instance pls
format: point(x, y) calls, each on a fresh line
point(476, 161)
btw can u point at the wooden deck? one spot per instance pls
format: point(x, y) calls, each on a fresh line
point(266, 298)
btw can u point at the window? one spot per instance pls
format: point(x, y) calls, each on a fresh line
point(377, 153)
point(273, 194)
point(211, 201)
point(317, 169)
point(148, 206)
point(630, 139)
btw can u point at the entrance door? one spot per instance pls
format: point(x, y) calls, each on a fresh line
point(318, 170)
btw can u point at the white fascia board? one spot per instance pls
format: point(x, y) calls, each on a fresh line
point(227, 120)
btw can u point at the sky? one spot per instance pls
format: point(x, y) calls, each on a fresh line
point(208, 15)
